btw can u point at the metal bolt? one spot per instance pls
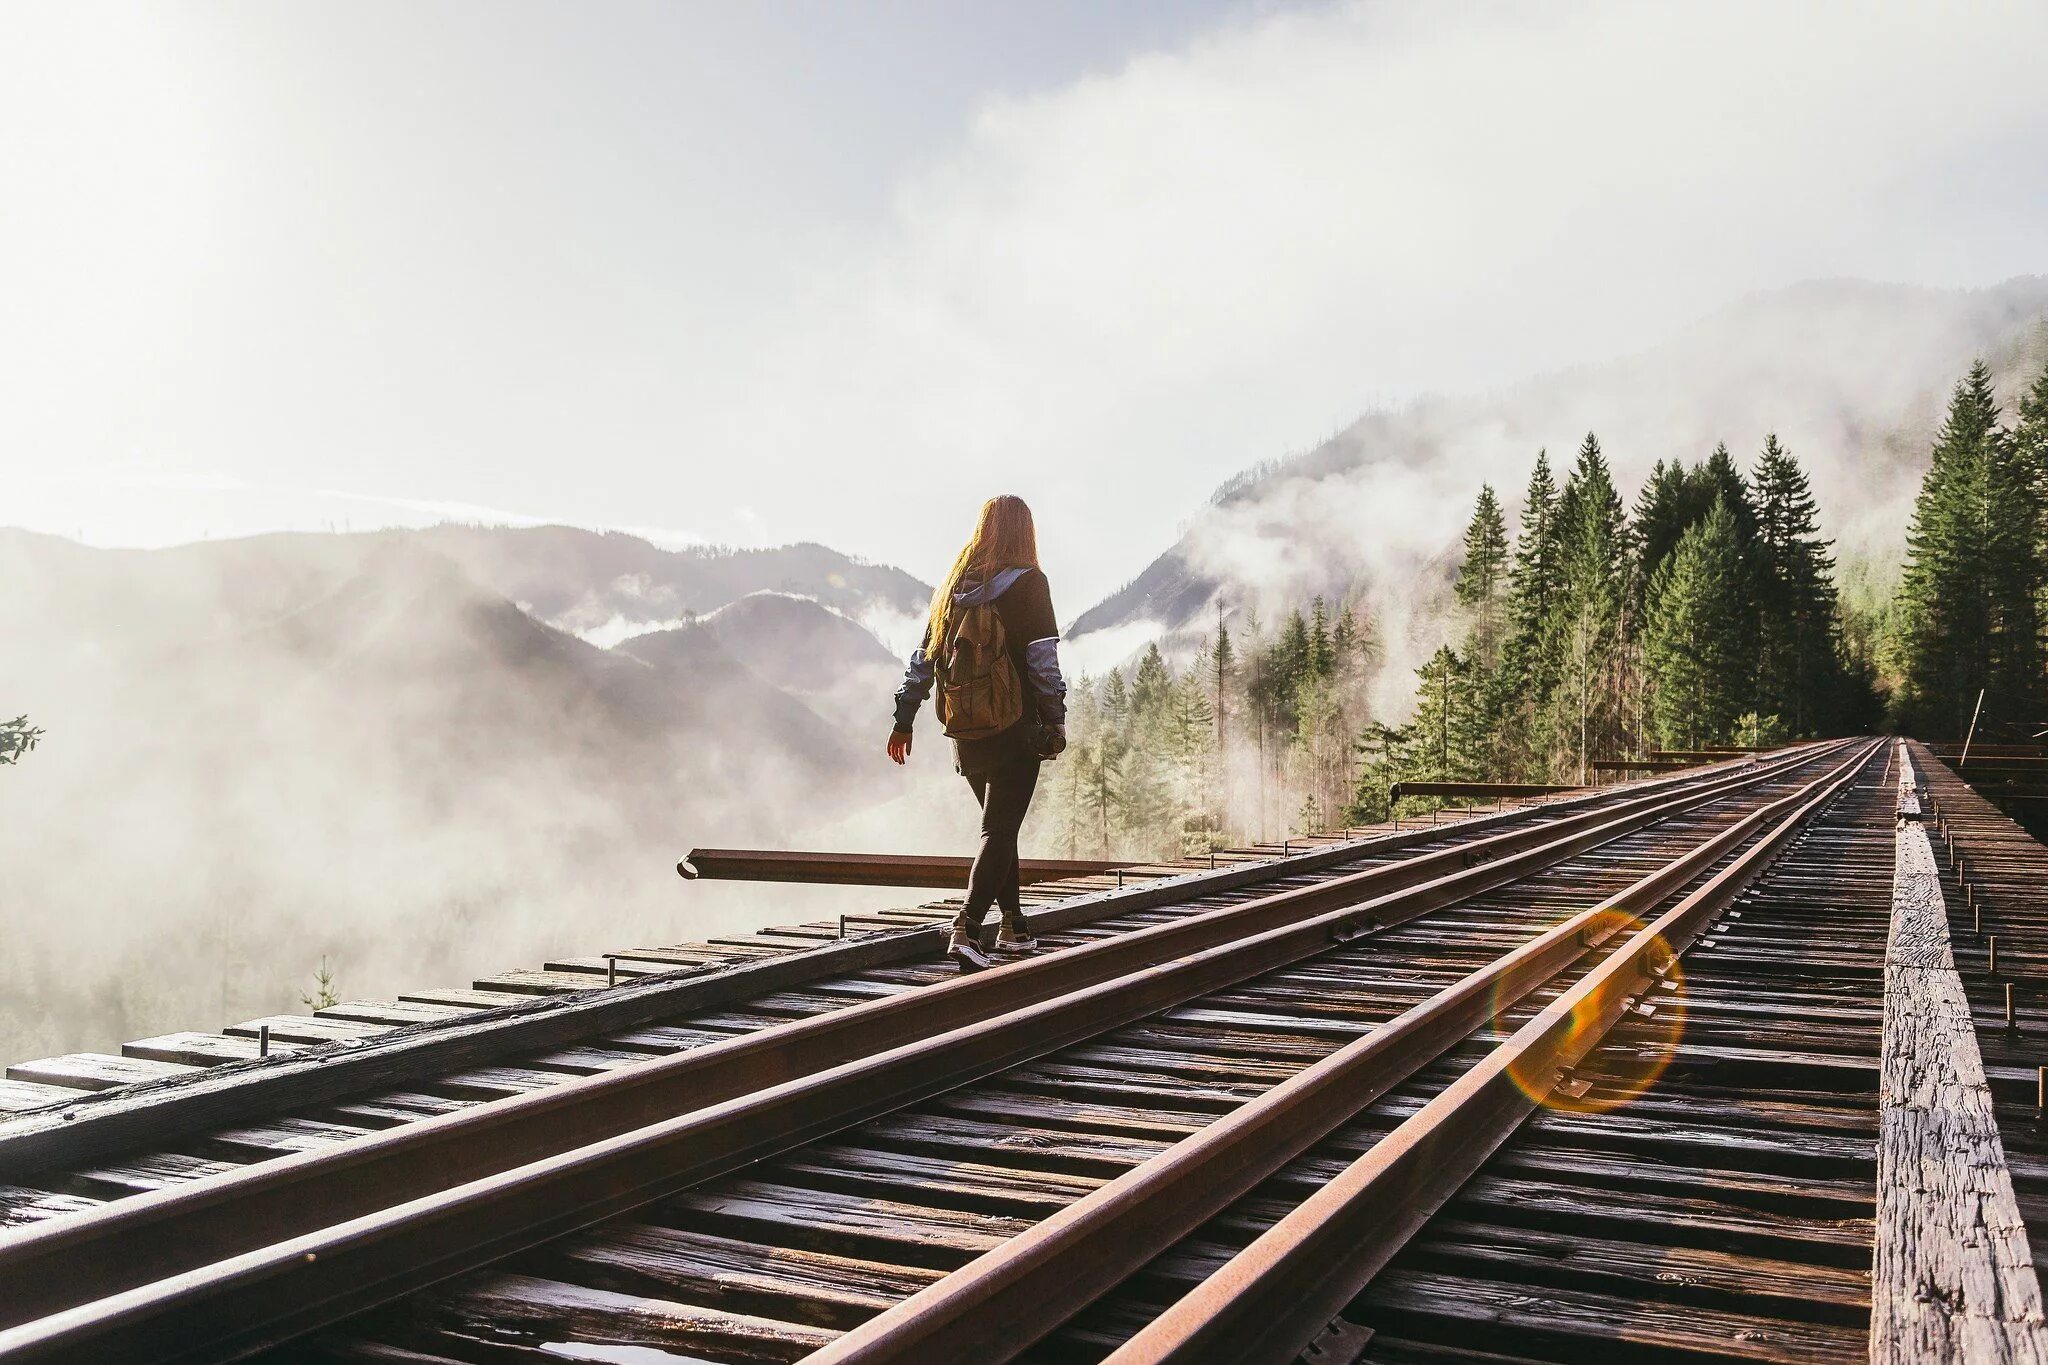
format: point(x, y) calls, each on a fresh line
point(1976, 919)
point(2010, 1017)
point(842, 926)
point(2041, 1088)
point(1992, 944)
point(263, 1040)
point(611, 971)
point(1119, 879)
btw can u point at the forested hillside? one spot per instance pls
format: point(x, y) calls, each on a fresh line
point(1702, 611)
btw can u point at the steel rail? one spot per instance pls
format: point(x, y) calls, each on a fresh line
point(995, 1307)
point(63, 1262)
point(97, 1123)
point(870, 869)
point(1272, 1299)
point(266, 1290)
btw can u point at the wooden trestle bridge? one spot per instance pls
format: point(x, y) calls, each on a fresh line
point(1741, 1061)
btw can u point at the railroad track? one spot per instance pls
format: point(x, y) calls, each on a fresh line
point(82, 1129)
point(189, 1109)
point(1168, 1025)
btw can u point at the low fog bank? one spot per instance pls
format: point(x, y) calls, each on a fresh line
point(262, 751)
point(1853, 377)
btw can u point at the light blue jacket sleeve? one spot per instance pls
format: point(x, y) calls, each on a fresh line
point(1042, 657)
point(917, 685)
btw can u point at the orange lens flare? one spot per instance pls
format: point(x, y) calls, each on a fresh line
point(1636, 1050)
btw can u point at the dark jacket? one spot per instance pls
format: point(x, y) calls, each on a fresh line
point(1024, 601)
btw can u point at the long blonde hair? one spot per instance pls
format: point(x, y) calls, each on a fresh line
point(1004, 537)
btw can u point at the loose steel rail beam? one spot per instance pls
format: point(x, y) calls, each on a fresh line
point(1700, 755)
point(1478, 789)
point(996, 1307)
point(1273, 1298)
point(868, 869)
point(199, 1283)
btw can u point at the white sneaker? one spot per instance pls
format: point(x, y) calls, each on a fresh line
point(1018, 940)
point(968, 954)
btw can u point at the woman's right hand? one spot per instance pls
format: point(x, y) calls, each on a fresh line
point(899, 745)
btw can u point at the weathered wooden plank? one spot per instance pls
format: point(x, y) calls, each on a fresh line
point(275, 1138)
point(735, 1276)
point(515, 1307)
point(17, 1097)
point(200, 1049)
point(94, 1070)
point(1501, 1314)
point(237, 1093)
point(19, 1207)
point(306, 1028)
point(1953, 1277)
point(395, 1012)
point(843, 1225)
point(535, 983)
point(139, 1175)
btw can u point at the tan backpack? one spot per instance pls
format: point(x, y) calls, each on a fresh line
point(979, 692)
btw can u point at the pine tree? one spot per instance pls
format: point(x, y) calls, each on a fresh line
point(2030, 433)
point(1582, 638)
point(1191, 751)
point(1344, 642)
point(1318, 660)
point(1716, 479)
point(1664, 509)
point(1483, 580)
point(1797, 677)
point(1436, 745)
point(1969, 601)
point(1693, 645)
point(1526, 677)
point(1224, 660)
point(1533, 582)
point(1151, 693)
point(2030, 449)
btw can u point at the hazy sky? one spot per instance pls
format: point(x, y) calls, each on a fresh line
point(762, 272)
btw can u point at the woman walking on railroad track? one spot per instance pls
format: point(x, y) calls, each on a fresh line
point(991, 645)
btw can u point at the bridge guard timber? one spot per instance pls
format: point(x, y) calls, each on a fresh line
point(1953, 1278)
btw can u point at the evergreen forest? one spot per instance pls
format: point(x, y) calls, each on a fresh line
point(1703, 612)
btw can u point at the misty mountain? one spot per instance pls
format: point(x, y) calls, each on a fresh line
point(837, 667)
point(797, 642)
point(609, 585)
point(261, 750)
point(1852, 376)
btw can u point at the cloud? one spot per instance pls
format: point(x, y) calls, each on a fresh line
point(1107, 294)
point(1126, 288)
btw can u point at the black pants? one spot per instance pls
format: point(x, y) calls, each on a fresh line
point(1005, 795)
